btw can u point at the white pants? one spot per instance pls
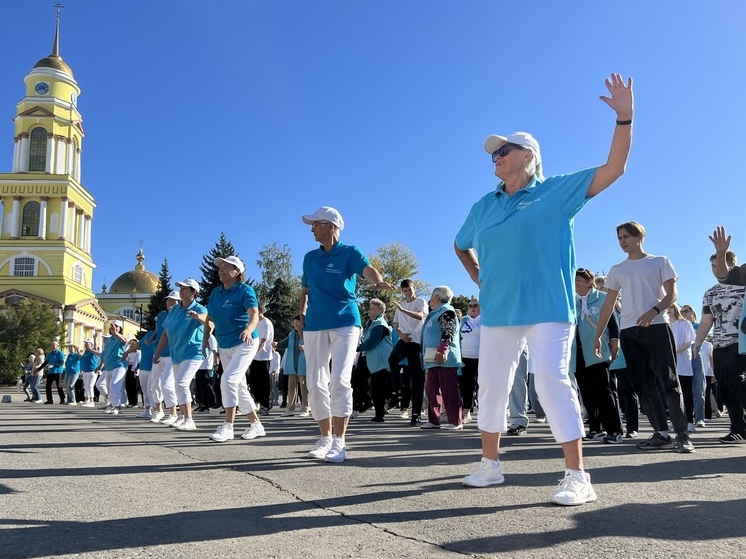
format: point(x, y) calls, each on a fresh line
point(103, 384)
point(236, 361)
point(144, 377)
point(167, 382)
point(89, 381)
point(116, 386)
point(154, 385)
point(330, 389)
point(183, 374)
point(549, 343)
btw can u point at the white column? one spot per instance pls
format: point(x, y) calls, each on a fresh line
point(16, 217)
point(63, 219)
point(16, 154)
point(70, 233)
point(69, 159)
point(80, 241)
point(23, 163)
point(49, 165)
point(43, 218)
point(60, 166)
point(88, 221)
point(77, 167)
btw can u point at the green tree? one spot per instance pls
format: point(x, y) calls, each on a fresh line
point(158, 299)
point(461, 302)
point(210, 280)
point(275, 262)
point(282, 306)
point(396, 262)
point(23, 328)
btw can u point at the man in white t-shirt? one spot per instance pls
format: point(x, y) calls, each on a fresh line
point(409, 317)
point(648, 287)
point(258, 376)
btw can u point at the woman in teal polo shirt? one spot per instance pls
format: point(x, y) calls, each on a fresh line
point(330, 323)
point(114, 370)
point(517, 246)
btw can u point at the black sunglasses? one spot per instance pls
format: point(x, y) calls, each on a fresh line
point(504, 150)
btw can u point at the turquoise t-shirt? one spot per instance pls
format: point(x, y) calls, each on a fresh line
point(159, 320)
point(526, 252)
point(72, 364)
point(330, 278)
point(184, 333)
point(228, 310)
point(89, 362)
point(112, 353)
point(147, 351)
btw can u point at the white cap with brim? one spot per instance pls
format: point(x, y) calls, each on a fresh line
point(88, 341)
point(189, 282)
point(174, 295)
point(523, 139)
point(117, 323)
point(325, 213)
point(232, 260)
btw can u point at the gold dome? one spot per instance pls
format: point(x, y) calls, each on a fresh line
point(54, 60)
point(138, 280)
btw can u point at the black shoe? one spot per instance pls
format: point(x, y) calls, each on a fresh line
point(49, 402)
point(733, 438)
point(27, 400)
point(415, 421)
point(517, 430)
point(594, 435)
point(378, 419)
point(62, 402)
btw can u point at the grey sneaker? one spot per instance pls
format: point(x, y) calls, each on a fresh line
point(517, 430)
point(683, 443)
point(656, 442)
point(613, 438)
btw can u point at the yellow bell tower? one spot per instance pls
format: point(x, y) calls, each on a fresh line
point(45, 232)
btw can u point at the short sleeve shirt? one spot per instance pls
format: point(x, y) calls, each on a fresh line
point(724, 303)
point(526, 251)
point(228, 310)
point(184, 332)
point(112, 353)
point(330, 278)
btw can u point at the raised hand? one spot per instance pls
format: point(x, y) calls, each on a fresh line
point(622, 99)
point(720, 240)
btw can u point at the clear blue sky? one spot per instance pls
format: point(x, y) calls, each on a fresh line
point(239, 116)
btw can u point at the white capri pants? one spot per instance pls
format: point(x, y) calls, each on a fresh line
point(500, 349)
point(89, 381)
point(144, 377)
point(154, 385)
point(116, 386)
point(168, 385)
point(330, 391)
point(236, 361)
point(183, 374)
point(103, 384)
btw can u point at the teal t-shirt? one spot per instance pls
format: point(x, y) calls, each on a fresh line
point(331, 278)
point(112, 353)
point(228, 310)
point(184, 333)
point(526, 251)
point(147, 351)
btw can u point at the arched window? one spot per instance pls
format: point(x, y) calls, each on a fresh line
point(37, 158)
point(24, 266)
point(78, 273)
point(30, 222)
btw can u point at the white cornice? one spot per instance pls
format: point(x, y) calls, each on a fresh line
point(54, 74)
point(34, 249)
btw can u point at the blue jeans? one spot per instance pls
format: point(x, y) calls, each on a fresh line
point(35, 381)
point(698, 388)
point(70, 380)
point(534, 397)
point(518, 400)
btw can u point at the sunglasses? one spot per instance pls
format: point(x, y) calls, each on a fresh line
point(473, 306)
point(587, 274)
point(504, 150)
point(686, 311)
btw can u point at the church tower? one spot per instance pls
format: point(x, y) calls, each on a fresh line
point(45, 232)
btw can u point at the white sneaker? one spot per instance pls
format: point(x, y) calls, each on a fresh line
point(288, 413)
point(186, 425)
point(106, 405)
point(405, 414)
point(337, 453)
point(485, 473)
point(157, 417)
point(169, 420)
point(145, 414)
point(355, 413)
point(223, 433)
point(452, 427)
point(305, 413)
point(115, 411)
point(428, 425)
point(323, 445)
point(701, 423)
point(88, 405)
point(255, 430)
point(574, 489)
point(109, 409)
point(466, 417)
point(179, 421)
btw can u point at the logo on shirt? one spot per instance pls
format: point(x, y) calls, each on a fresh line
point(330, 269)
point(524, 205)
point(227, 304)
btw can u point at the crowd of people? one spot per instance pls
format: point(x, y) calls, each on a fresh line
point(550, 336)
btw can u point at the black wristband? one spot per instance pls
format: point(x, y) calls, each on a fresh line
point(657, 310)
point(624, 123)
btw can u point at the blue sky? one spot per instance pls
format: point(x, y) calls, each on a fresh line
point(239, 116)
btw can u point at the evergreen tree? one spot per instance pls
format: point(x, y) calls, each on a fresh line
point(461, 302)
point(23, 328)
point(158, 299)
point(282, 306)
point(275, 263)
point(210, 279)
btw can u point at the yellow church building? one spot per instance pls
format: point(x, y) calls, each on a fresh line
point(47, 214)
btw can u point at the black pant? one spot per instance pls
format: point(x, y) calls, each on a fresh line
point(598, 398)
point(361, 399)
point(130, 386)
point(203, 392)
point(468, 382)
point(651, 361)
point(730, 373)
point(55, 378)
point(380, 388)
point(215, 382)
point(687, 391)
point(79, 389)
point(258, 380)
point(284, 385)
point(629, 399)
point(413, 380)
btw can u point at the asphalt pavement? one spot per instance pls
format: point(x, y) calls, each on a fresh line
point(75, 482)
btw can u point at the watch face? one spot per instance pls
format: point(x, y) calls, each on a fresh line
point(42, 88)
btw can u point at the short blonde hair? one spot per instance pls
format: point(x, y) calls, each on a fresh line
point(378, 303)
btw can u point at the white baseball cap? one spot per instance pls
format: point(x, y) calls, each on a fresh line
point(523, 139)
point(88, 341)
point(174, 295)
point(118, 323)
point(325, 213)
point(233, 260)
point(189, 282)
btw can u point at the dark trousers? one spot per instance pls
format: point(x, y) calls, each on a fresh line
point(594, 383)
point(651, 361)
point(442, 390)
point(730, 373)
point(468, 382)
point(711, 403)
point(79, 390)
point(380, 388)
point(55, 378)
point(687, 391)
point(258, 380)
point(215, 383)
point(413, 379)
point(130, 386)
point(628, 399)
point(284, 388)
point(205, 397)
point(361, 399)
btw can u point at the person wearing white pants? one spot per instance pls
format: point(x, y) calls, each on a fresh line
point(145, 372)
point(233, 314)
point(162, 372)
point(330, 325)
point(517, 245)
point(114, 369)
point(88, 364)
